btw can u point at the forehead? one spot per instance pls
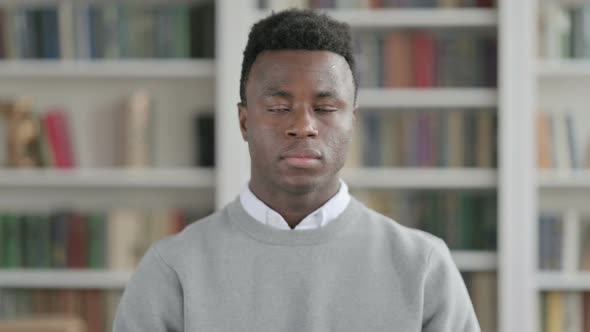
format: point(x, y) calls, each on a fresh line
point(283, 68)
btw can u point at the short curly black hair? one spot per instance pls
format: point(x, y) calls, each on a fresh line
point(297, 29)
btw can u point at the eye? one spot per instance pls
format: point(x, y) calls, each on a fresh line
point(325, 110)
point(278, 110)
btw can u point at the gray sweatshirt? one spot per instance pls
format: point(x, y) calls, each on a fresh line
point(361, 272)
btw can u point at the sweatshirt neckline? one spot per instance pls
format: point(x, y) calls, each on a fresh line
point(272, 235)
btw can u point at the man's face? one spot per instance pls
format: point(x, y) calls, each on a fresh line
point(298, 119)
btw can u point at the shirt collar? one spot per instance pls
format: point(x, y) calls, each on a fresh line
point(320, 217)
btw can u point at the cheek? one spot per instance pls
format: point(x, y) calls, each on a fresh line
point(261, 140)
point(338, 141)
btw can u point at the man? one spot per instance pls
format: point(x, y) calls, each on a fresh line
point(295, 252)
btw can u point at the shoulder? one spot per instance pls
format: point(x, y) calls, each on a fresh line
point(192, 239)
point(403, 241)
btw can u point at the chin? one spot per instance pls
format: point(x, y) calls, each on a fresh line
point(299, 184)
point(302, 184)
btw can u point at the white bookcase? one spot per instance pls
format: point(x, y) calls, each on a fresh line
point(558, 85)
point(183, 87)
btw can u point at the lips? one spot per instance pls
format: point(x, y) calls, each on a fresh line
point(302, 158)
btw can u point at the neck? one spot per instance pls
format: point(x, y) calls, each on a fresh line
point(293, 207)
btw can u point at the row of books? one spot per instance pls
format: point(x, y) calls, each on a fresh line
point(564, 29)
point(121, 137)
point(108, 30)
point(281, 4)
point(71, 239)
point(433, 138)
point(96, 308)
point(425, 59)
point(558, 142)
point(564, 241)
point(483, 291)
point(464, 220)
point(565, 311)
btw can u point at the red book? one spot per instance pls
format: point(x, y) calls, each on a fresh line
point(376, 3)
point(3, 42)
point(424, 48)
point(587, 312)
point(56, 124)
point(77, 241)
point(94, 310)
point(179, 221)
point(485, 3)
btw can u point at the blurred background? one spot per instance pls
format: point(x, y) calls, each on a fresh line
point(118, 126)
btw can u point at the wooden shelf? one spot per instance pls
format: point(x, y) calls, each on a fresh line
point(418, 17)
point(566, 179)
point(432, 97)
point(124, 68)
point(467, 261)
point(420, 178)
point(563, 68)
point(563, 281)
point(197, 178)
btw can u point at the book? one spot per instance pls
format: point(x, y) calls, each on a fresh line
point(49, 33)
point(77, 241)
point(204, 140)
point(553, 311)
point(59, 140)
point(124, 238)
point(565, 311)
point(137, 140)
point(571, 241)
point(96, 227)
point(13, 241)
point(3, 35)
point(398, 60)
point(424, 50)
point(66, 29)
point(59, 238)
point(544, 142)
point(483, 289)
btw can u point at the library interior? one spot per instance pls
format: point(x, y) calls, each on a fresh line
point(119, 127)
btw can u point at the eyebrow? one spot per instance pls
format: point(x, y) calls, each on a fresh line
point(274, 92)
point(327, 94)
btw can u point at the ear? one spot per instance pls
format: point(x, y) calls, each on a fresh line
point(243, 117)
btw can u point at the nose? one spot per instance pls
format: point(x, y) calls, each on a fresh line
point(302, 125)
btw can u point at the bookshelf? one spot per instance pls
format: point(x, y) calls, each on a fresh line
point(547, 281)
point(434, 97)
point(410, 17)
point(559, 68)
point(420, 178)
point(557, 88)
point(88, 69)
point(110, 179)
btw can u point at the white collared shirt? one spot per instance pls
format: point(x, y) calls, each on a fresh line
point(319, 218)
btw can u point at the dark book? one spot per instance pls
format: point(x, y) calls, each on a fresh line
point(49, 35)
point(202, 30)
point(77, 241)
point(3, 41)
point(59, 239)
point(96, 240)
point(204, 125)
point(13, 241)
point(37, 244)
